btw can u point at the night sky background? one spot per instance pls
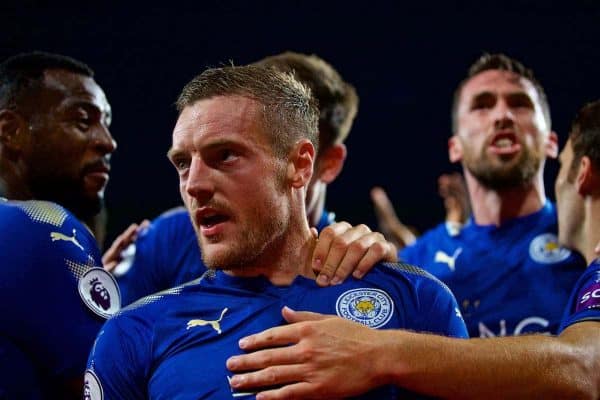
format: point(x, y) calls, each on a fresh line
point(404, 58)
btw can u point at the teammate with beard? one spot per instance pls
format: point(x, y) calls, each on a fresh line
point(323, 356)
point(243, 148)
point(54, 145)
point(504, 261)
point(166, 253)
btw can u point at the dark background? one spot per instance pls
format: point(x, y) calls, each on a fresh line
point(405, 60)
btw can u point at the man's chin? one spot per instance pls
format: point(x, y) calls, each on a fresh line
point(220, 257)
point(87, 207)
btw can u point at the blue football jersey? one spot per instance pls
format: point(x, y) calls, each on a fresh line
point(55, 296)
point(166, 254)
point(175, 344)
point(584, 303)
point(18, 378)
point(508, 280)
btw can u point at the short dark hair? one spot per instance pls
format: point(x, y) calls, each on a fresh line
point(500, 62)
point(337, 99)
point(23, 72)
point(585, 136)
point(289, 110)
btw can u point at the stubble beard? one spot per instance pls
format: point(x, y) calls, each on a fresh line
point(244, 250)
point(263, 230)
point(68, 193)
point(503, 173)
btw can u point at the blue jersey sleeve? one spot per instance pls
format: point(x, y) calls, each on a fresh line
point(443, 314)
point(18, 378)
point(54, 295)
point(166, 255)
point(143, 276)
point(119, 362)
point(433, 308)
point(584, 303)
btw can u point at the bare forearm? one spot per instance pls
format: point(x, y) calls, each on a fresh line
point(511, 367)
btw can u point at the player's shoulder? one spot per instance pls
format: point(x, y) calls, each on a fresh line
point(543, 221)
point(173, 222)
point(35, 219)
point(177, 215)
point(438, 232)
point(591, 273)
point(33, 211)
point(152, 306)
point(415, 276)
point(431, 240)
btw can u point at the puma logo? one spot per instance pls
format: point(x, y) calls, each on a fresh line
point(442, 257)
point(214, 324)
point(59, 236)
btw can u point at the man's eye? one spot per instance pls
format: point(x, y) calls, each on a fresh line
point(483, 101)
point(83, 124)
point(521, 102)
point(227, 155)
point(482, 104)
point(182, 164)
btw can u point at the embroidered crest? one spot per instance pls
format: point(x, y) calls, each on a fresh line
point(370, 307)
point(545, 249)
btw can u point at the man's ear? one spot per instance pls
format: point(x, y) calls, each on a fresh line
point(331, 162)
point(455, 150)
point(588, 178)
point(300, 163)
point(551, 146)
point(11, 125)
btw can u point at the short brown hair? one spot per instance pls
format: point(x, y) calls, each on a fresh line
point(337, 99)
point(290, 112)
point(503, 63)
point(585, 136)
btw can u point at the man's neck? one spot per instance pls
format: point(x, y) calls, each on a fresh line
point(591, 247)
point(495, 207)
point(315, 211)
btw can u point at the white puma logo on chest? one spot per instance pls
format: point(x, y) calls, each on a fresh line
point(216, 324)
point(442, 257)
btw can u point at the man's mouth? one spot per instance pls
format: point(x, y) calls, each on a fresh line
point(505, 143)
point(210, 221)
point(98, 171)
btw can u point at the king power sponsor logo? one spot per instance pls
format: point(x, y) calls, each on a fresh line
point(527, 325)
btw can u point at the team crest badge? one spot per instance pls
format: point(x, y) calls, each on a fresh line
point(370, 307)
point(545, 249)
point(92, 389)
point(99, 291)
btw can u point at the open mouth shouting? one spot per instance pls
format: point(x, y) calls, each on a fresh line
point(505, 143)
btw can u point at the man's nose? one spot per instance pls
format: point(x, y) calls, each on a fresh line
point(504, 116)
point(103, 140)
point(199, 184)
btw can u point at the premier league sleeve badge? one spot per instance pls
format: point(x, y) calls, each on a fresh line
point(100, 293)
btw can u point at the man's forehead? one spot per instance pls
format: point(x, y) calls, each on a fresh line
point(75, 88)
point(498, 81)
point(235, 106)
point(221, 114)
